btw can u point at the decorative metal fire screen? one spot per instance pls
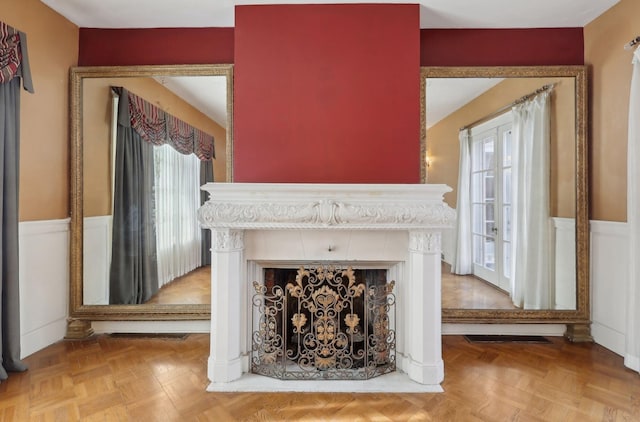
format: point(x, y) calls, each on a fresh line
point(322, 324)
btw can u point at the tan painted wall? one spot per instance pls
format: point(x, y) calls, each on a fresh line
point(44, 151)
point(610, 80)
point(443, 147)
point(96, 133)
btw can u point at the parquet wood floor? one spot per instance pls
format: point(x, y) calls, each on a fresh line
point(109, 378)
point(469, 292)
point(193, 288)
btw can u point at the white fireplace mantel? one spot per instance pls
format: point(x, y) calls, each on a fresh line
point(390, 224)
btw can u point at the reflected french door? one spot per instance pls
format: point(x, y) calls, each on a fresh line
point(491, 195)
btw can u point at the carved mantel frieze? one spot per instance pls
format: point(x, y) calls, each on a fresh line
point(302, 206)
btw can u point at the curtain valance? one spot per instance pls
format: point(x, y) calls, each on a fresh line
point(159, 127)
point(13, 56)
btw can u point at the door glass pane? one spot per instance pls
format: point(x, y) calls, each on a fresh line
point(488, 153)
point(489, 222)
point(506, 259)
point(506, 222)
point(506, 149)
point(506, 186)
point(489, 191)
point(489, 253)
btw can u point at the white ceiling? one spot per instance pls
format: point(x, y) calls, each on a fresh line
point(206, 93)
point(433, 13)
point(446, 95)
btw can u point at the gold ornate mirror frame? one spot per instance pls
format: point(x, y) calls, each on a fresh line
point(80, 315)
point(577, 320)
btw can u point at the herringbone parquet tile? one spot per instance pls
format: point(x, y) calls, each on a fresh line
point(109, 378)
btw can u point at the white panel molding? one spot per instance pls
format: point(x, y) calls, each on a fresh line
point(97, 258)
point(44, 283)
point(552, 330)
point(164, 327)
point(565, 263)
point(609, 276)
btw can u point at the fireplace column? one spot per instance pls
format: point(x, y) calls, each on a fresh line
point(227, 319)
point(423, 317)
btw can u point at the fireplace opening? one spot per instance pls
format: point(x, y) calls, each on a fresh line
point(323, 322)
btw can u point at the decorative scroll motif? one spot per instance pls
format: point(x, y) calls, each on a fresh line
point(314, 328)
point(226, 240)
point(158, 127)
point(326, 213)
point(420, 241)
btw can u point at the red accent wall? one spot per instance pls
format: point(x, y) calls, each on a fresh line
point(502, 47)
point(327, 93)
point(123, 47)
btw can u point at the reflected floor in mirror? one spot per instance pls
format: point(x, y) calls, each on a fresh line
point(193, 288)
point(470, 292)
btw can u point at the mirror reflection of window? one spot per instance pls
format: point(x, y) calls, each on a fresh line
point(490, 200)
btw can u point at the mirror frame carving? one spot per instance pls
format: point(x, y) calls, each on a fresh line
point(80, 315)
point(578, 319)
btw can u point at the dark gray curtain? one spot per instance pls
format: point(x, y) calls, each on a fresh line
point(206, 176)
point(134, 268)
point(9, 183)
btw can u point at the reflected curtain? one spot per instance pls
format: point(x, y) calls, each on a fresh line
point(463, 259)
point(531, 272)
point(14, 69)
point(134, 271)
point(632, 353)
point(206, 176)
point(177, 189)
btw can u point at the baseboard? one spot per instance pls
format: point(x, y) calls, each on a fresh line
point(44, 283)
point(42, 337)
point(553, 330)
point(102, 327)
point(608, 337)
point(632, 362)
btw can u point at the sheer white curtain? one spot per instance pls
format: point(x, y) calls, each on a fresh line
point(632, 356)
point(177, 184)
point(532, 278)
point(463, 259)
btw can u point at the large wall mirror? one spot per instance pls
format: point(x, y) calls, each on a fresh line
point(143, 140)
point(511, 142)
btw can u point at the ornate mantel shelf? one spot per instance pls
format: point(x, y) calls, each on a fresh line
point(396, 226)
point(321, 206)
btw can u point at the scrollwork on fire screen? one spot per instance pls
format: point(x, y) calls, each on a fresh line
point(322, 326)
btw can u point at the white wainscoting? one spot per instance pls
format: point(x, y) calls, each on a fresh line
point(565, 263)
point(44, 283)
point(97, 258)
point(164, 327)
point(609, 275)
point(448, 245)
